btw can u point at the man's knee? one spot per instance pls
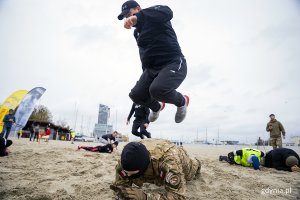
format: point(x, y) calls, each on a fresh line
point(157, 92)
point(136, 96)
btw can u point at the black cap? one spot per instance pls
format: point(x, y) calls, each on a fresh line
point(11, 110)
point(271, 115)
point(126, 7)
point(134, 157)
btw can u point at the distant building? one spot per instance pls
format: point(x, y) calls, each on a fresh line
point(295, 140)
point(102, 127)
point(103, 115)
point(230, 142)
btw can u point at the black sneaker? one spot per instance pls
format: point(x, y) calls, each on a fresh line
point(148, 135)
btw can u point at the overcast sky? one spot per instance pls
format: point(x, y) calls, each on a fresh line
point(243, 63)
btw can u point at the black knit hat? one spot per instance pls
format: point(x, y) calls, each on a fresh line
point(134, 157)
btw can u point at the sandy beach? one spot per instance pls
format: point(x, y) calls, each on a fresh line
point(55, 170)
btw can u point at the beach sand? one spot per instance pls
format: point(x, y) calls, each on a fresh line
point(55, 170)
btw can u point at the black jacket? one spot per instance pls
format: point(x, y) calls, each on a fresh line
point(6, 119)
point(156, 38)
point(276, 158)
point(141, 113)
point(108, 136)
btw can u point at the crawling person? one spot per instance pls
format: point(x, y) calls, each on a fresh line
point(246, 157)
point(282, 159)
point(108, 148)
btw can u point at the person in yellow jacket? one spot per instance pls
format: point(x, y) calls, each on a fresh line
point(246, 157)
point(73, 134)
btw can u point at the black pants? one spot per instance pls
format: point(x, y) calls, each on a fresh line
point(36, 135)
point(93, 149)
point(6, 131)
point(31, 135)
point(139, 124)
point(160, 85)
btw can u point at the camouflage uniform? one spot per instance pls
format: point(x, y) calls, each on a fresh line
point(275, 128)
point(169, 166)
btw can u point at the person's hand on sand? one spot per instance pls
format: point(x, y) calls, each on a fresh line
point(295, 168)
point(132, 193)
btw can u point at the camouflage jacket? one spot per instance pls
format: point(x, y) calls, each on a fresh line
point(275, 128)
point(170, 166)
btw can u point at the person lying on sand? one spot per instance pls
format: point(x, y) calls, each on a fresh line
point(155, 161)
point(246, 157)
point(108, 148)
point(282, 159)
point(4, 144)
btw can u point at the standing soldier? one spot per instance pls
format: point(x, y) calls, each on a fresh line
point(154, 161)
point(275, 128)
point(141, 121)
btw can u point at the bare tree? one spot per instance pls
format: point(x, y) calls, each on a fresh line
point(62, 123)
point(41, 113)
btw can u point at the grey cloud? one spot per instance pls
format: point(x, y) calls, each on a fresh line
point(86, 35)
point(276, 35)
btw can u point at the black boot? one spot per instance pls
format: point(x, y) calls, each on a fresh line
point(221, 158)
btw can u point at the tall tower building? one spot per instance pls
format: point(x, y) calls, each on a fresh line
point(102, 127)
point(103, 115)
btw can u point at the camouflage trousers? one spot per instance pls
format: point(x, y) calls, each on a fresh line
point(276, 142)
point(191, 166)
